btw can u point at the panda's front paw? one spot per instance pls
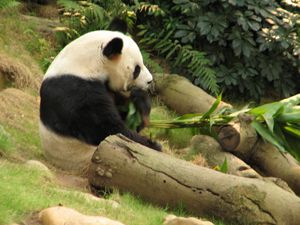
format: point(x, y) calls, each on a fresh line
point(154, 145)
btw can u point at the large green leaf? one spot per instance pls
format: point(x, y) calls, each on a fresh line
point(267, 135)
point(213, 107)
point(293, 130)
point(292, 117)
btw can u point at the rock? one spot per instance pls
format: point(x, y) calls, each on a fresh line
point(62, 216)
point(174, 220)
point(91, 197)
point(39, 166)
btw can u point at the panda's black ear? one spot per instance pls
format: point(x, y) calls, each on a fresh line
point(118, 25)
point(113, 48)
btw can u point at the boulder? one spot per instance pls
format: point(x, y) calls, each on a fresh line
point(61, 216)
point(174, 220)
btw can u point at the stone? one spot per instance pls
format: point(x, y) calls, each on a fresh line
point(62, 216)
point(174, 220)
point(39, 166)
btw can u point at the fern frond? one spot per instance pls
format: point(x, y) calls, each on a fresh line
point(195, 62)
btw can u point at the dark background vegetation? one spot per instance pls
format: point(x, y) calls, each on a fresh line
point(247, 49)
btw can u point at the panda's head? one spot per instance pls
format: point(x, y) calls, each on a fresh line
point(123, 62)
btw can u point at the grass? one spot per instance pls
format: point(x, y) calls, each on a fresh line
point(19, 120)
point(5, 140)
point(24, 190)
point(20, 39)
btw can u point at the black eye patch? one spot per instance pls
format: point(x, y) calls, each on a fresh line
point(136, 71)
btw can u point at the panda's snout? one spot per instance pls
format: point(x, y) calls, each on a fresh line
point(150, 82)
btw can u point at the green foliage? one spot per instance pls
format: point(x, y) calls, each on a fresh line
point(79, 18)
point(8, 4)
point(182, 57)
point(279, 124)
point(153, 66)
point(133, 118)
point(39, 47)
point(224, 167)
point(253, 45)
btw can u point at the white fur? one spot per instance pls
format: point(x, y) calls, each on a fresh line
point(83, 57)
point(65, 152)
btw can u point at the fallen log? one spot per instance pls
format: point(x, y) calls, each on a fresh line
point(168, 181)
point(240, 138)
point(278, 164)
point(181, 95)
point(211, 150)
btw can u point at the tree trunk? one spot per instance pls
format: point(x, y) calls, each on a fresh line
point(168, 181)
point(181, 95)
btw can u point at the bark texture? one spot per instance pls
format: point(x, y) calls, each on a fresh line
point(165, 180)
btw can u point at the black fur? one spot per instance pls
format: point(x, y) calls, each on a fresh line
point(142, 103)
point(83, 109)
point(114, 47)
point(118, 25)
point(136, 72)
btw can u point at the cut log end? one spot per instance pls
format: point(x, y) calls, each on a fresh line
point(229, 138)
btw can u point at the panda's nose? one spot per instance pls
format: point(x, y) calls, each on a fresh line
point(149, 82)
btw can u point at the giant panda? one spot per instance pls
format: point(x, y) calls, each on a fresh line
point(80, 92)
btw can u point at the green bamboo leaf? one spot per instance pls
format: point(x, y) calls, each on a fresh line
point(293, 117)
point(267, 135)
point(294, 144)
point(279, 134)
point(293, 130)
point(294, 100)
point(271, 113)
point(189, 116)
point(213, 107)
point(224, 166)
point(270, 108)
point(133, 118)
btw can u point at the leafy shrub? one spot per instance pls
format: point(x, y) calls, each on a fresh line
point(79, 18)
point(253, 44)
